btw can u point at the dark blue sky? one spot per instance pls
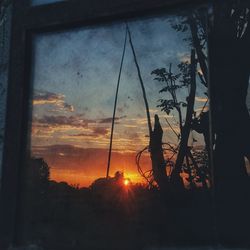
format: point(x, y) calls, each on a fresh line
point(82, 66)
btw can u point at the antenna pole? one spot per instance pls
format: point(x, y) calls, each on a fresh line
point(115, 104)
point(141, 82)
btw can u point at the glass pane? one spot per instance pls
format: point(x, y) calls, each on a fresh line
point(40, 2)
point(131, 172)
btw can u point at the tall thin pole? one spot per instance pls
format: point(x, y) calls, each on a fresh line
point(141, 82)
point(115, 104)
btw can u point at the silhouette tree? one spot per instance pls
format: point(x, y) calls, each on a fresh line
point(159, 164)
point(36, 189)
point(35, 198)
point(229, 37)
point(194, 25)
point(166, 172)
point(188, 73)
point(229, 53)
point(38, 175)
point(229, 80)
point(157, 155)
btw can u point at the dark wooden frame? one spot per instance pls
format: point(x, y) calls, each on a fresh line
point(27, 20)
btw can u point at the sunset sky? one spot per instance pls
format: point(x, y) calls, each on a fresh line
point(74, 79)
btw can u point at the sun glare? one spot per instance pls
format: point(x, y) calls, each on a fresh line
point(126, 182)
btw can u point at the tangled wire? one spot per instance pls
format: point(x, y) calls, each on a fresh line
point(169, 163)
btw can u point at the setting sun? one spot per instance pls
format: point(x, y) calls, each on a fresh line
point(126, 182)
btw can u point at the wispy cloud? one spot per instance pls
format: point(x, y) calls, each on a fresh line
point(73, 120)
point(48, 98)
point(109, 119)
point(95, 132)
point(183, 57)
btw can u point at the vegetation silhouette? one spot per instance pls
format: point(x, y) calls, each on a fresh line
point(228, 139)
point(229, 38)
point(181, 158)
point(111, 210)
point(229, 70)
point(171, 182)
point(111, 214)
point(115, 214)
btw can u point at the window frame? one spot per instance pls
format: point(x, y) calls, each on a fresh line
point(26, 21)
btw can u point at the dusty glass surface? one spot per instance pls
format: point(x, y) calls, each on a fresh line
point(119, 136)
point(74, 80)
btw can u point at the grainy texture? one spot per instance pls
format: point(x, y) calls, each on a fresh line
point(5, 23)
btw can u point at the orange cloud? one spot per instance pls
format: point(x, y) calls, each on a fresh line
point(110, 119)
point(201, 99)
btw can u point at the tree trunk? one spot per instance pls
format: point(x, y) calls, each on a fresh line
point(229, 79)
point(198, 48)
point(230, 68)
point(155, 143)
point(157, 156)
point(176, 180)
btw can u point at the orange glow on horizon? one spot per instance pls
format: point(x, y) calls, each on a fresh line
point(82, 180)
point(85, 169)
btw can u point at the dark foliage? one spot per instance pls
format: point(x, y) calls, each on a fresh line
point(109, 215)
